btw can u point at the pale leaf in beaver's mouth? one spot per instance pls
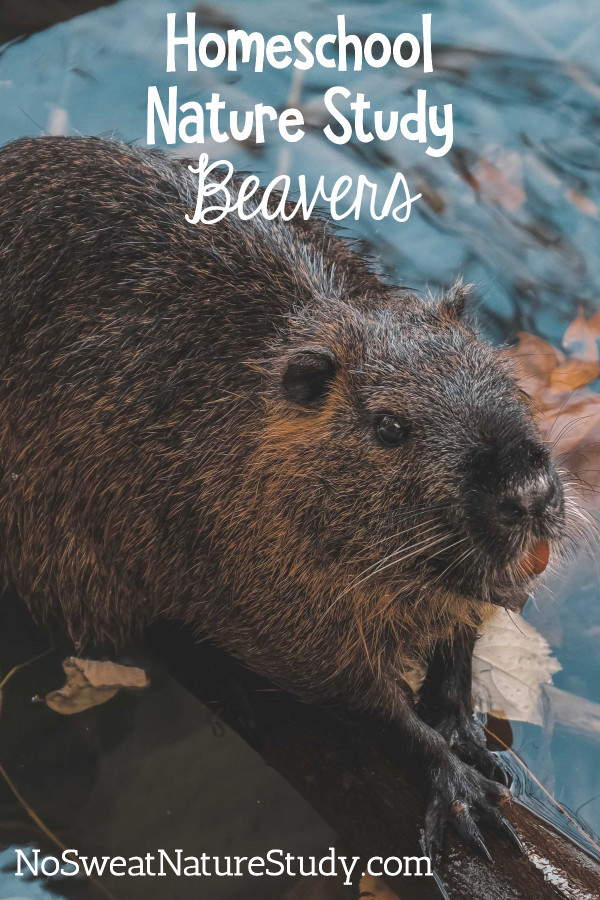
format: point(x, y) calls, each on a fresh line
point(375, 887)
point(568, 409)
point(91, 682)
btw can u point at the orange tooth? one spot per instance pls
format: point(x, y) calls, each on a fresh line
point(535, 560)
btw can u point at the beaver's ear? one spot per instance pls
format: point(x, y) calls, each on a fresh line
point(308, 374)
point(455, 302)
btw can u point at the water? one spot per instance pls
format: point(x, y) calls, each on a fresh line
point(513, 209)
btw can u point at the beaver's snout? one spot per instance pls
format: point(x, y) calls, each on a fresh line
point(531, 500)
point(533, 507)
point(518, 488)
point(516, 514)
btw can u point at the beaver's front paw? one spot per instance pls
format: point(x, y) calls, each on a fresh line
point(462, 798)
point(466, 738)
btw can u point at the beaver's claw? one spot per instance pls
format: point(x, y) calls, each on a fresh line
point(466, 738)
point(462, 798)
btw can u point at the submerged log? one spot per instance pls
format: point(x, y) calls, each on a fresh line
point(349, 770)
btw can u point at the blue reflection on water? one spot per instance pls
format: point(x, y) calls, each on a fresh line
point(22, 887)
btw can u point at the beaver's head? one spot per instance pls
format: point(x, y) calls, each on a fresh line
point(408, 453)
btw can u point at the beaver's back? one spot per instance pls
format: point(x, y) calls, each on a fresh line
point(125, 396)
point(92, 234)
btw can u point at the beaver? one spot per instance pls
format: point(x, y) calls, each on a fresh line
point(241, 426)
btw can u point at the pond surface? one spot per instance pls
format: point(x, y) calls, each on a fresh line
point(513, 208)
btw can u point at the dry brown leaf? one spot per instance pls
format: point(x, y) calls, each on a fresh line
point(583, 203)
point(534, 358)
point(91, 682)
point(574, 374)
point(375, 887)
point(104, 673)
point(501, 182)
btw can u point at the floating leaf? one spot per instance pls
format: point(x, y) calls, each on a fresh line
point(511, 662)
point(574, 374)
point(583, 203)
point(501, 182)
point(535, 358)
point(91, 682)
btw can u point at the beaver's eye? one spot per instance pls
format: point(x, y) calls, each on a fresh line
point(390, 431)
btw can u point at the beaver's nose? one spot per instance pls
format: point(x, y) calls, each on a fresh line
point(533, 499)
